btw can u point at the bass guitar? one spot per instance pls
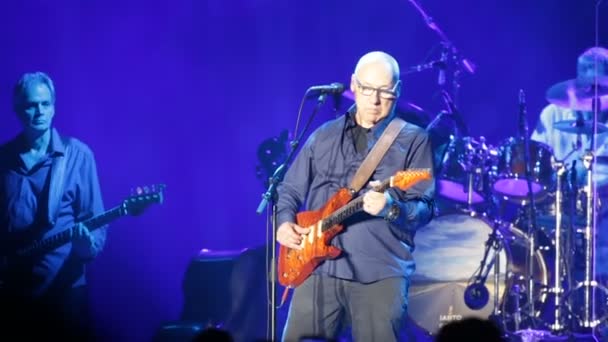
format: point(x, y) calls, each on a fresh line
point(133, 205)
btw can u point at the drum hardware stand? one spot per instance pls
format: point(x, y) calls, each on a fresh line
point(476, 294)
point(478, 167)
point(532, 228)
point(470, 184)
point(517, 314)
point(562, 248)
point(557, 289)
point(590, 284)
point(589, 318)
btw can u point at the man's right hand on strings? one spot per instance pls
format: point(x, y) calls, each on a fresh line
point(290, 235)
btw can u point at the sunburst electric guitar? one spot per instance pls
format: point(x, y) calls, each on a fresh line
point(294, 265)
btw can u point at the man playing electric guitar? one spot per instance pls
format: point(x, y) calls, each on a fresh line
point(368, 282)
point(47, 184)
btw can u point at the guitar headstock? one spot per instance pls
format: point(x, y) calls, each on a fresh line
point(142, 197)
point(405, 179)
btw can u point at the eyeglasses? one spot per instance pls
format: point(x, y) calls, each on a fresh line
point(389, 94)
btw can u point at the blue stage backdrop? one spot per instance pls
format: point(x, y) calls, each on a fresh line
point(182, 92)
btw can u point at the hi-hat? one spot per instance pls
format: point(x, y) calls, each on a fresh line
point(578, 94)
point(582, 127)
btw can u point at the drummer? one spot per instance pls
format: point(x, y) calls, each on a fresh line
point(571, 100)
point(565, 108)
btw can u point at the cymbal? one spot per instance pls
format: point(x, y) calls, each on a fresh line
point(578, 94)
point(586, 127)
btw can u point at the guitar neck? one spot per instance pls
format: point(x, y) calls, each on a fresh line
point(133, 205)
point(65, 236)
point(350, 209)
point(104, 218)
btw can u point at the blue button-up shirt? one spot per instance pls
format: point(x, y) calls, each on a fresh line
point(29, 213)
point(373, 249)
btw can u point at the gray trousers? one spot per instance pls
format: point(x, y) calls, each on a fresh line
point(322, 305)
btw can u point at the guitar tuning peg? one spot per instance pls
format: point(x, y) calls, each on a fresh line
point(146, 190)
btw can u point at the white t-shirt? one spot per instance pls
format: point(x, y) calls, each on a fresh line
point(562, 143)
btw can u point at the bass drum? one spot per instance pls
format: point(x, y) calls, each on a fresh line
point(448, 254)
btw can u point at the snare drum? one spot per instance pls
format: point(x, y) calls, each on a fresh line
point(448, 254)
point(511, 183)
point(467, 164)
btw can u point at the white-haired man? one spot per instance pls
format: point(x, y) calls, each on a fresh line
point(368, 284)
point(48, 183)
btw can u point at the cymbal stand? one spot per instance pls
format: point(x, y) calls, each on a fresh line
point(557, 289)
point(560, 170)
point(589, 284)
point(589, 319)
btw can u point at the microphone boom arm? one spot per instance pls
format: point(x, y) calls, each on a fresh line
point(465, 63)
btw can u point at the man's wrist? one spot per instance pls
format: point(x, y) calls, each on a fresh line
point(387, 206)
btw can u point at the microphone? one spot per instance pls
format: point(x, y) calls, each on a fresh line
point(334, 88)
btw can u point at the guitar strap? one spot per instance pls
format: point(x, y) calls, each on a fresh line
point(57, 183)
point(374, 156)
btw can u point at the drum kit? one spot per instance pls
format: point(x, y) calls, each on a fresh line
point(514, 236)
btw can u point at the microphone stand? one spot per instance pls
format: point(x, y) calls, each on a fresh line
point(271, 196)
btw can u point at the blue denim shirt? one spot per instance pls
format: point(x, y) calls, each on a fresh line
point(373, 249)
point(25, 217)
